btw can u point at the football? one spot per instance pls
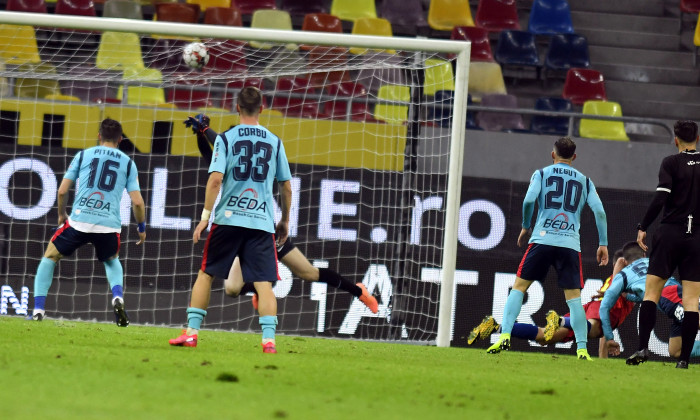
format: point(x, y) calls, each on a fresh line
point(196, 55)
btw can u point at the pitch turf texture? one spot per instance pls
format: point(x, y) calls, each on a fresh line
point(78, 370)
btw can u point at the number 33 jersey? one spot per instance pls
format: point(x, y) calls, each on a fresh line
point(251, 158)
point(561, 192)
point(101, 174)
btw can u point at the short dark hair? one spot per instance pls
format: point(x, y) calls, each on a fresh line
point(249, 99)
point(110, 130)
point(685, 131)
point(617, 255)
point(564, 147)
point(631, 251)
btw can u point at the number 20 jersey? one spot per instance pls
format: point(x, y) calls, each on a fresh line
point(251, 158)
point(102, 173)
point(561, 193)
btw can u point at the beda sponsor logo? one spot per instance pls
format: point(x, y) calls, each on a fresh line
point(94, 201)
point(559, 223)
point(247, 201)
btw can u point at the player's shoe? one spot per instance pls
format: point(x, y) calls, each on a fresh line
point(184, 340)
point(682, 364)
point(269, 347)
point(582, 354)
point(369, 300)
point(552, 326)
point(120, 317)
point(39, 316)
point(503, 343)
point(487, 326)
point(254, 301)
point(640, 356)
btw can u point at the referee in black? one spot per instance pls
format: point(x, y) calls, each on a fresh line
point(676, 242)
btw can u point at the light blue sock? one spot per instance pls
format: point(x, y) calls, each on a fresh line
point(195, 316)
point(42, 281)
point(115, 274)
point(578, 322)
point(269, 326)
point(696, 350)
point(512, 310)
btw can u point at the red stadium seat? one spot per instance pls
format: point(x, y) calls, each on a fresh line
point(583, 85)
point(186, 95)
point(295, 107)
point(322, 22)
point(326, 57)
point(356, 94)
point(177, 12)
point(247, 7)
point(479, 37)
point(497, 15)
point(225, 16)
point(688, 6)
point(75, 7)
point(303, 7)
point(28, 6)
point(226, 56)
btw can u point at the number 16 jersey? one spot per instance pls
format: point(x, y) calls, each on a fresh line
point(251, 158)
point(561, 192)
point(102, 173)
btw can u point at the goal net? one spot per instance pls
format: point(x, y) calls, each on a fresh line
point(367, 126)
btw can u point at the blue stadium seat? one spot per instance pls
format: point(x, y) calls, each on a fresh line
point(551, 125)
point(517, 48)
point(548, 17)
point(567, 51)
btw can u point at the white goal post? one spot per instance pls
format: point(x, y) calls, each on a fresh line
point(457, 127)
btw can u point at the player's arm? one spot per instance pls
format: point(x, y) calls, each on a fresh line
point(609, 299)
point(533, 191)
point(601, 222)
point(205, 135)
point(138, 206)
point(213, 187)
point(282, 228)
point(62, 199)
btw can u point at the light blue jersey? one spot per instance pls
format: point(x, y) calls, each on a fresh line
point(630, 280)
point(101, 174)
point(251, 158)
point(561, 191)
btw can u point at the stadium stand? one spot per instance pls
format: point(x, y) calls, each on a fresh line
point(479, 37)
point(303, 7)
point(142, 95)
point(371, 26)
point(187, 95)
point(343, 92)
point(484, 78)
point(27, 6)
point(441, 109)
point(406, 15)
point(438, 77)
point(497, 15)
point(558, 126)
point(499, 121)
point(125, 9)
point(518, 49)
point(226, 16)
point(296, 107)
point(598, 129)
point(583, 85)
point(549, 17)
point(31, 87)
point(75, 7)
point(247, 7)
point(353, 9)
point(566, 51)
point(119, 50)
point(322, 22)
point(18, 45)
point(444, 15)
point(391, 113)
point(270, 19)
point(205, 4)
point(696, 42)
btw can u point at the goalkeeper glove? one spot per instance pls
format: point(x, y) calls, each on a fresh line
point(199, 123)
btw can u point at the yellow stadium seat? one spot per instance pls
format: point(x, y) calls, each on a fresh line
point(142, 95)
point(696, 41)
point(353, 9)
point(599, 129)
point(18, 45)
point(371, 26)
point(444, 15)
point(271, 19)
point(392, 114)
point(36, 87)
point(438, 76)
point(203, 4)
point(485, 77)
point(60, 97)
point(119, 50)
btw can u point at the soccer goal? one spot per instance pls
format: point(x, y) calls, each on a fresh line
point(374, 128)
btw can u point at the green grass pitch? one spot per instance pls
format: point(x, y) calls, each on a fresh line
point(79, 370)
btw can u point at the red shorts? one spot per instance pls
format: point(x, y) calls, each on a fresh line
point(618, 313)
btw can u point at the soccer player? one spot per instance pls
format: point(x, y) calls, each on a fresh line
point(103, 172)
point(561, 192)
point(247, 159)
point(676, 242)
point(288, 253)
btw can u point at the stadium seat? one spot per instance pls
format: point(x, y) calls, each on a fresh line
point(90, 83)
point(517, 48)
point(390, 113)
point(225, 16)
point(696, 42)
point(142, 95)
point(4, 83)
point(35, 87)
point(479, 37)
point(75, 7)
point(322, 22)
point(205, 4)
point(27, 6)
point(371, 26)
point(379, 68)
point(566, 51)
point(247, 7)
point(125, 9)
point(226, 56)
point(499, 121)
point(271, 19)
point(353, 9)
point(351, 93)
point(551, 125)
point(403, 13)
point(61, 97)
point(484, 78)
point(321, 58)
point(441, 110)
point(119, 50)
point(166, 55)
point(444, 15)
point(295, 107)
point(549, 17)
point(438, 76)
point(688, 6)
point(303, 7)
point(583, 85)
point(18, 45)
point(187, 94)
point(599, 129)
point(497, 15)
point(177, 12)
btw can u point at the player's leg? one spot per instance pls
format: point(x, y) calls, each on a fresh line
point(514, 303)
point(107, 251)
point(199, 302)
point(267, 309)
point(486, 327)
point(568, 266)
point(234, 284)
point(578, 322)
point(691, 294)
